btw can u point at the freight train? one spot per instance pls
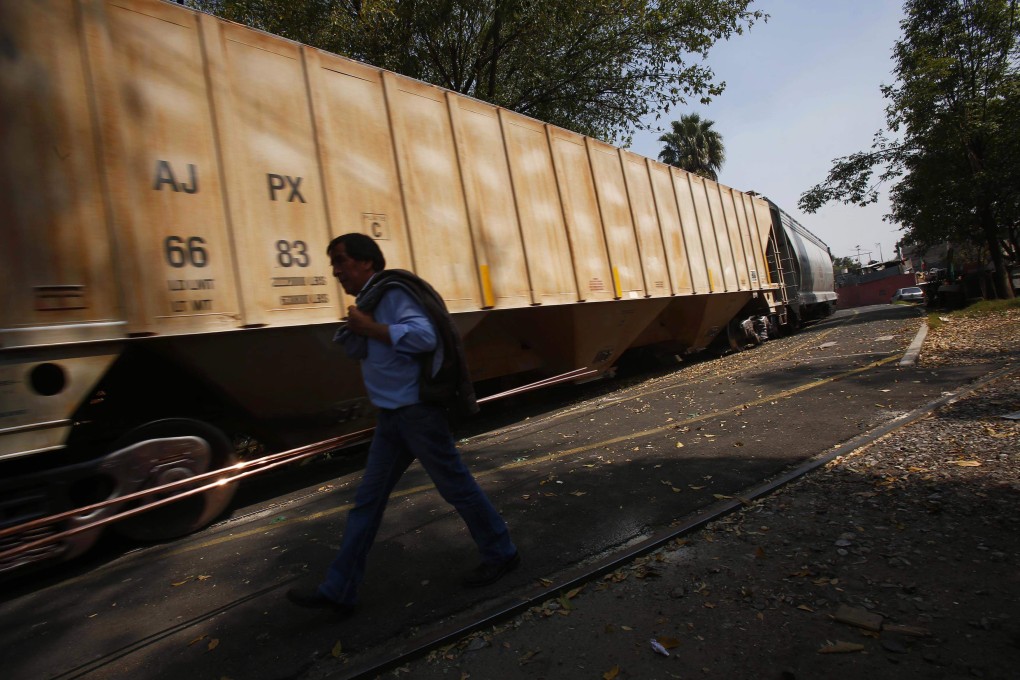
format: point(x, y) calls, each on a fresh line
point(170, 182)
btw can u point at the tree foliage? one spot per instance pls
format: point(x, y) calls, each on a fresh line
point(848, 263)
point(598, 67)
point(693, 145)
point(953, 155)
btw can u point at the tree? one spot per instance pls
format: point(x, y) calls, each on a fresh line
point(694, 146)
point(955, 107)
point(848, 263)
point(599, 67)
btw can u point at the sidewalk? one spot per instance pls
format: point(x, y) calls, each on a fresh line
point(899, 560)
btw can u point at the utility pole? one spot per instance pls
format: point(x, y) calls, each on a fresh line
point(862, 252)
point(881, 257)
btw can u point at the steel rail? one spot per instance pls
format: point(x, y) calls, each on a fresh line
point(576, 374)
point(292, 454)
point(290, 457)
point(221, 477)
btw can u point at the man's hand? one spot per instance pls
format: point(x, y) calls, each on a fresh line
point(363, 323)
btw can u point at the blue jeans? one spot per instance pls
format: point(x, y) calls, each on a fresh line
point(401, 435)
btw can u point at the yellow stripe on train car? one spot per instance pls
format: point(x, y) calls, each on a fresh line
point(488, 299)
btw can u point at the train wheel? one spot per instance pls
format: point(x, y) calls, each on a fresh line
point(793, 322)
point(194, 512)
point(737, 338)
point(775, 328)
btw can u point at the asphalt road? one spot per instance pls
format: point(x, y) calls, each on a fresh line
point(607, 466)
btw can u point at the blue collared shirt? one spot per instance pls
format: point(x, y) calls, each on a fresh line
point(391, 372)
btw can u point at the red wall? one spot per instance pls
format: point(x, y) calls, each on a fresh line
point(873, 292)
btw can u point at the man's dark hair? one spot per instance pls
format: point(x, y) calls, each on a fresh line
point(360, 247)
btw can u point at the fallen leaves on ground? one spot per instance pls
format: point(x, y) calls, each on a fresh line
point(527, 657)
point(668, 642)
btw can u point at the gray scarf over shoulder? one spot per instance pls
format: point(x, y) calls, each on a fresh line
point(445, 379)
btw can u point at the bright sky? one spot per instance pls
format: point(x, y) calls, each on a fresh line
point(802, 90)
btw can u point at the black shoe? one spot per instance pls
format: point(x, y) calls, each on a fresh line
point(313, 599)
point(484, 573)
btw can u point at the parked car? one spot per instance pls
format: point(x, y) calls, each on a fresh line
point(912, 294)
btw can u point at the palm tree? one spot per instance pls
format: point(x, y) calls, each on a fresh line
point(693, 146)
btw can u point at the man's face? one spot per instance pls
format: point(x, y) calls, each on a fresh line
point(352, 274)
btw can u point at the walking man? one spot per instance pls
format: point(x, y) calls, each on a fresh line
point(412, 362)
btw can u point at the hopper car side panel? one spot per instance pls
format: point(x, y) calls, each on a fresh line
point(543, 232)
point(161, 163)
point(757, 240)
point(617, 222)
point(360, 168)
point(489, 194)
point(714, 259)
point(678, 249)
point(274, 186)
point(57, 281)
point(640, 201)
point(174, 180)
point(593, 274)
point(719, 228)
point(438, 232)
point(746, 269)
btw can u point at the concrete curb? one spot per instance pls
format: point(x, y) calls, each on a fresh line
point(910, 357)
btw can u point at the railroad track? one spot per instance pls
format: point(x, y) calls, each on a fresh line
point(368, 664)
